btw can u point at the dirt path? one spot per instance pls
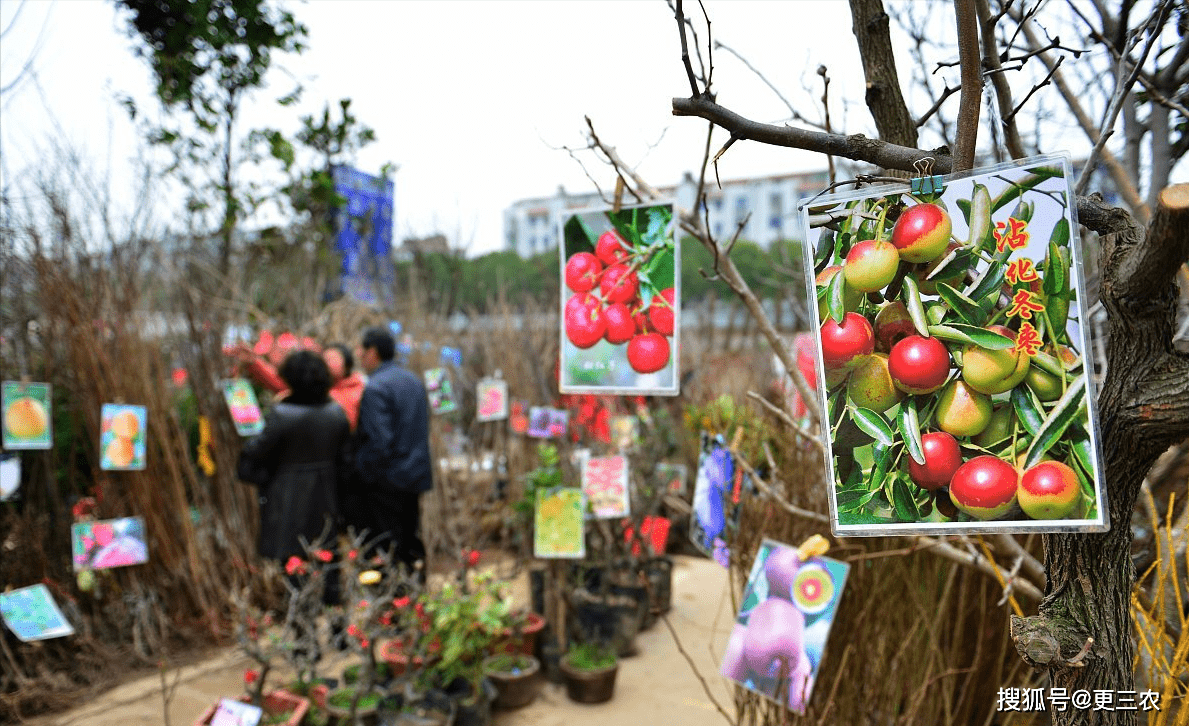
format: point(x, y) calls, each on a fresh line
point(656, 686)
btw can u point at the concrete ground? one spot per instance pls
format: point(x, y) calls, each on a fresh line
point(656, 686)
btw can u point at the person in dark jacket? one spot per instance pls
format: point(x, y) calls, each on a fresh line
point(392, 460)
point(300, 462)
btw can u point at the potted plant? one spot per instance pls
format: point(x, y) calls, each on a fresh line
point(520, 634)
point(516, 677)
point(589, 671)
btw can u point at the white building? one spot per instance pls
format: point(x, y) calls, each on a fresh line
point(532, 226)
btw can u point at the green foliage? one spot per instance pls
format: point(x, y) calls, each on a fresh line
point(200, 50)
point(590, 656)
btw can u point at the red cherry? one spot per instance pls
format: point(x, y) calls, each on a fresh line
point(619, 283)
point(582, 272)
point(648, 353)
point(660, 312)
point(621, 326)
point(611, 248)
point(584, 323)
point(581, 300)
point(642, 323)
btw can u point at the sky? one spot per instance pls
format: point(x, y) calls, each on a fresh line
point(471, 100)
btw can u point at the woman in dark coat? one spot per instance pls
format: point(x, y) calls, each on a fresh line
point(300, 461)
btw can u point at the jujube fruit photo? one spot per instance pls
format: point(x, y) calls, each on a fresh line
point(660, 312)
point(619, 283)
point(919, 365)
point(871, 265)
point(611, 248)
point(985, 487)
point(922, 233)
point(963, 411)
point(584, 321)
point(994, 371)
point(871, 386)
point(843, 344)
point(1049, 490)
point(943, 457)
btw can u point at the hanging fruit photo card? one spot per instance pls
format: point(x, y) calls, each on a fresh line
point(31, 614)
point(518, 417)
point(547, 423)
point(954, 339)
point(625, 432)
point(492, 397)
point(620, 302)
point(10, 476)
point(26, 409)
point(784, 620)
point(441, 392)
point(605, 483)
point(108, 543)
point(122, 437)
point(245, 410)
point(558, 523)
point(718, 492)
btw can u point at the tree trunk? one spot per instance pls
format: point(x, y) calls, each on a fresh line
point(1082, 634)
point(884, 97)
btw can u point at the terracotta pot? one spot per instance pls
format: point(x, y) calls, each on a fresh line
point(593, 686)
point(274, 703)
point(526, 643)
point(392, 652)
point(516, 688)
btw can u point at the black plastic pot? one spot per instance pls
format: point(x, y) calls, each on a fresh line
point(610, 619)
point(471, 708)
point(550, 658)
point(660, 582)
point(536, 588)
point(433, 709)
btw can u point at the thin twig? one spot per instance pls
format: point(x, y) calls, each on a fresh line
point(784, 416)
point(693, 667)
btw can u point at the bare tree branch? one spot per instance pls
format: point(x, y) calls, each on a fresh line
point(972, 85)
point(1011, 133)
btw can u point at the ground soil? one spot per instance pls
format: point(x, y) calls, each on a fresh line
point(655, 686)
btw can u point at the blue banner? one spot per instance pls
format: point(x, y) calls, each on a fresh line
point(363, 235)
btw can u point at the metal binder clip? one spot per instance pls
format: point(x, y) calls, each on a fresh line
point(926, 182)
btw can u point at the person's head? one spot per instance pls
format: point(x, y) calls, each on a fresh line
point(378, 347)
point(339, 360)
point(307, 376)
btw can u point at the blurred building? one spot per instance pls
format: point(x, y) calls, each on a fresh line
point(765, 206)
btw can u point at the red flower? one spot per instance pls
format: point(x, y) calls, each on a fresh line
point(324, 555)
point(353, 630)
point(471, 557)
point(401, 602)
point(295, 566)
point(364, 642)
point(352, 555)
point(419, 608)
point(250, 676)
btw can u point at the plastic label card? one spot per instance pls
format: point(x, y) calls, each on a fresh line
point(236, 713)
point(620, 301)
point(547, 423)
point(108, 543)
point(245, 410)
point(492, 397)
point(31, 614)
point(122, 437)
point(558, 523)
point(954, 338)
point(27, 407)
point(605, 483)
point(718, 492)
point(441, 392)
point(784, 621)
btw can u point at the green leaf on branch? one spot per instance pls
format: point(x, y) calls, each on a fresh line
point(969, 312)
point(873, 424)
point(908, 422)
point(903, 501)
point(916, 309)
point(835, 297)
point(660, 269)
point(1028, 411)
point(1059, 419)
point(983, 338)
point(579, 237)
point(986, 287)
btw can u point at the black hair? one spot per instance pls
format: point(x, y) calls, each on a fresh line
point(381, 340)
point(307, 376)
point(348, 358)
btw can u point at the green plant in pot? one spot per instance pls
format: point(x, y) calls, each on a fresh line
point(589, 670)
